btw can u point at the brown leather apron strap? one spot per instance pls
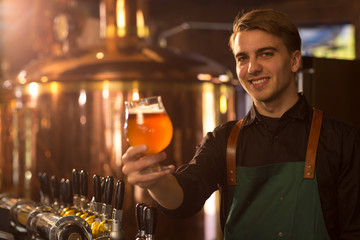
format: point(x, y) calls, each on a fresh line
point(231, 153)
point(309, 169)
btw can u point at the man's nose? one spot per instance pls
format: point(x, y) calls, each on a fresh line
point(254, 66)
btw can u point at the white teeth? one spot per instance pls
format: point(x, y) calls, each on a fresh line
point(258, 81)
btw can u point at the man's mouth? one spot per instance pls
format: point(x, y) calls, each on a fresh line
point(259, 81)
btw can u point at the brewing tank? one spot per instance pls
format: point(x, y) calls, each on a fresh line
point(68, 110)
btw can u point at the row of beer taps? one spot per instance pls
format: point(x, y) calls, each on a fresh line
point(70, 198)
point(65, 212)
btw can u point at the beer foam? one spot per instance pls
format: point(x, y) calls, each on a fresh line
point(146, 109)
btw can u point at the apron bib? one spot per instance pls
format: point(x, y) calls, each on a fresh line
point(274, 202)
point(277, 201)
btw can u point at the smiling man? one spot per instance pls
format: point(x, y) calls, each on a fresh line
point(266, 70)
point(286, 170)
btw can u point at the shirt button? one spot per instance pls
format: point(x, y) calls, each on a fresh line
point(276, 137)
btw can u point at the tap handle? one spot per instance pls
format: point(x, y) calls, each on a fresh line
point(150, 220)
point(46, 184)
point(76, 181)
point(103, 180)
point(83, 183)
point(119, 194)
point(109, 188)
point(139, 214)
point(97, 188)
point(55, 188)
point(68, 192)
point(41, 181)
point(62, 191)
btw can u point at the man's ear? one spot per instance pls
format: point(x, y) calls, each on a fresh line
point(295, 61)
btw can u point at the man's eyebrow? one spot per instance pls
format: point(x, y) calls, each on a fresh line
point(266, 49)
point(240, 54)
point(257, 51)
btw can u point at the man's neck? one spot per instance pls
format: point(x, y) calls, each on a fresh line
point(276, 108)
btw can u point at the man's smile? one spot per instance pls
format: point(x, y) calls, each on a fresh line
point(259, 82)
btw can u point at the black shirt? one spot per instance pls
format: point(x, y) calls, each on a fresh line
point(265, 141)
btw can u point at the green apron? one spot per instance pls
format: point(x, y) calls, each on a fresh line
point(275, 202)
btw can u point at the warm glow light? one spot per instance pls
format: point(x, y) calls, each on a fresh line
point(209, 123)
point(105, 91)
point(140, 24)
point(204, 77)
point(135, 94)
point(118, 128)
point(21, 77)
point(18, 92)
point(110, 30)
point(54, 87)
point(99, 55)
point(83, 120)
point(224, 78)
point(223, 99)
point(208, 100)
point(82, 98)
point(28, 175)
point(44, 79)
point(223, 104)
point(33, 89)
point(210, 208)
point(121, 18)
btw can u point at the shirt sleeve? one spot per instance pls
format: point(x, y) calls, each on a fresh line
point(203, 175)
point(338, 175)
point(349, 186)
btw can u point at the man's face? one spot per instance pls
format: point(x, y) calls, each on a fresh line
point(264, 66)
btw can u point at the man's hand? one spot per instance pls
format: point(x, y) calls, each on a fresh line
point(162, 186)
point(134, 161)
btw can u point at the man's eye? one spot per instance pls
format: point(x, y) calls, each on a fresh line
point(241, 59)
point(267, 54)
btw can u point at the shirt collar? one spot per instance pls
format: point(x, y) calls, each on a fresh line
point(298, 111)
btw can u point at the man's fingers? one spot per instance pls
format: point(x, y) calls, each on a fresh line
point(134, 153)
point(142, 163)
point(146, 180)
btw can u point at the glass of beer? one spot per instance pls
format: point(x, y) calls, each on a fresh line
point(148, 123)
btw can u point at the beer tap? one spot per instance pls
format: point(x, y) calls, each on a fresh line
point(76, 188)
point(103, 228)
point(95, 203)
point(55, 193)
point(30, 220)
point(44, 188)
point(150, 219)
point(139, 214)
point(66, 190)
point(68, 193)
point(62, 189)
point(83, 190)
point(116, 229)
point(119, 199)
point(109, 188)
point(103, 180)
point(41, 187)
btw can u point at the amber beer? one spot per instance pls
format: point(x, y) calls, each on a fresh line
point(150, 126)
